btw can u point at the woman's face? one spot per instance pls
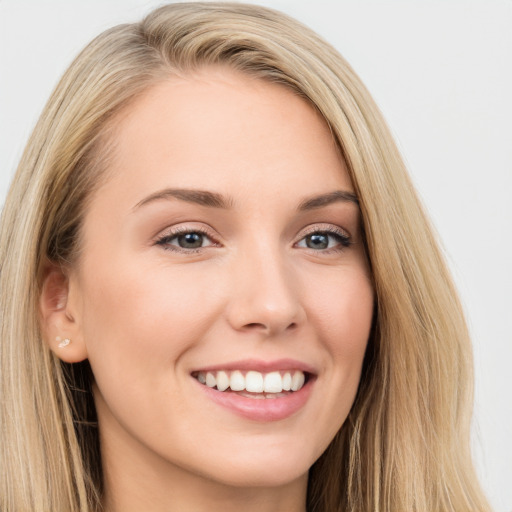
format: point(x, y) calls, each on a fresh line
point(223, 250)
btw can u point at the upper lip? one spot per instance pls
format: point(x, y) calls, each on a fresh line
point(260, 365)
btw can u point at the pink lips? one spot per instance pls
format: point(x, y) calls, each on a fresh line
point(265, 409)
point(260, 366)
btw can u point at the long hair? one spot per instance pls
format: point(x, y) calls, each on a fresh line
point(405, 444)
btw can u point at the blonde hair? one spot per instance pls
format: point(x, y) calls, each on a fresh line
point(405, 444)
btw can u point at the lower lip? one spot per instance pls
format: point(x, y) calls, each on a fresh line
point(264, 409)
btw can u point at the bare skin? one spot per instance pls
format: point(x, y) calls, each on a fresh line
point(226, 234)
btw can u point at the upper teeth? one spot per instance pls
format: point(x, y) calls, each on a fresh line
point(254, 382)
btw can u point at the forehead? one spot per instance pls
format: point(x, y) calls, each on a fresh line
point(224, 131)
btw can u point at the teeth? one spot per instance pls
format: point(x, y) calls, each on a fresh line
point(297, 381)
point(273, 383)
point(269, 385)
point(222, 381)
point(237, 381)
point(287, 381)
point(211, 381)
point(254, 382)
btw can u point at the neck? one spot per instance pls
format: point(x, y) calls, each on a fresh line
point(174, 490)
point(137, 479)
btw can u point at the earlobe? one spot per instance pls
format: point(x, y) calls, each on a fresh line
point(60, 325)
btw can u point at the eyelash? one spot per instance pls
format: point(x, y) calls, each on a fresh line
point(341, 237)
point(164, 240)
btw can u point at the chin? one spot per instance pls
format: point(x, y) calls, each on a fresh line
point(273, 475)
point(271, 469)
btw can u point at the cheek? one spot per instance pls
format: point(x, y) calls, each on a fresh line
point(343, 309)
point(135, 320)
point(344, 313)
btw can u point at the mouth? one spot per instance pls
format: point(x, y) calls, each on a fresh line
point(256, 390)
point(254, 384)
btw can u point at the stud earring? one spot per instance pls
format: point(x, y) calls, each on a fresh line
point(63, 342)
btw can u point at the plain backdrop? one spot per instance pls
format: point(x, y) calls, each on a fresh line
point(440, 70)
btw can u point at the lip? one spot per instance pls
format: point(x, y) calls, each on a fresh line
point(261, 410)
point(261, 366)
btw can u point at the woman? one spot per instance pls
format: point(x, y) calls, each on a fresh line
point(219, 288)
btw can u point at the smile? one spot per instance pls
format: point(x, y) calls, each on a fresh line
point(257, 390)
point(254, 384)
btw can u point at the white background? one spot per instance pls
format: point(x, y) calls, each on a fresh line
point(440, 71)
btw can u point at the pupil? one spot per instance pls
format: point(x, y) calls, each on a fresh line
point(317, 241)
point(190, 240)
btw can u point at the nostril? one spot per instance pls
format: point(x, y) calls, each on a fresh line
point(261, 326)
point(255, 326)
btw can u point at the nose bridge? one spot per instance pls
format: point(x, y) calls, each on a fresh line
point(266, 295)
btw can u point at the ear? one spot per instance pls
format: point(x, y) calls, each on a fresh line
point(59, 321)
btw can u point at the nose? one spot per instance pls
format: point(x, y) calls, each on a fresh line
point(264, 296)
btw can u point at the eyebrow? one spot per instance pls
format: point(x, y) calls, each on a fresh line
point(215, 200)
point(320, 201)
point(200, 197)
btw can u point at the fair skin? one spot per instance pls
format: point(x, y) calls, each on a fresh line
point(267, 275)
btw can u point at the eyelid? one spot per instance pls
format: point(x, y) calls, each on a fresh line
point(323, 228)
point(174, 231)
point(329, 229)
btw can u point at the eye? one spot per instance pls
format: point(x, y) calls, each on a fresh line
point(325, 240)
point(185, 240)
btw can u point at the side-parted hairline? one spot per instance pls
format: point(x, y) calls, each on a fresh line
point(405, 444)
